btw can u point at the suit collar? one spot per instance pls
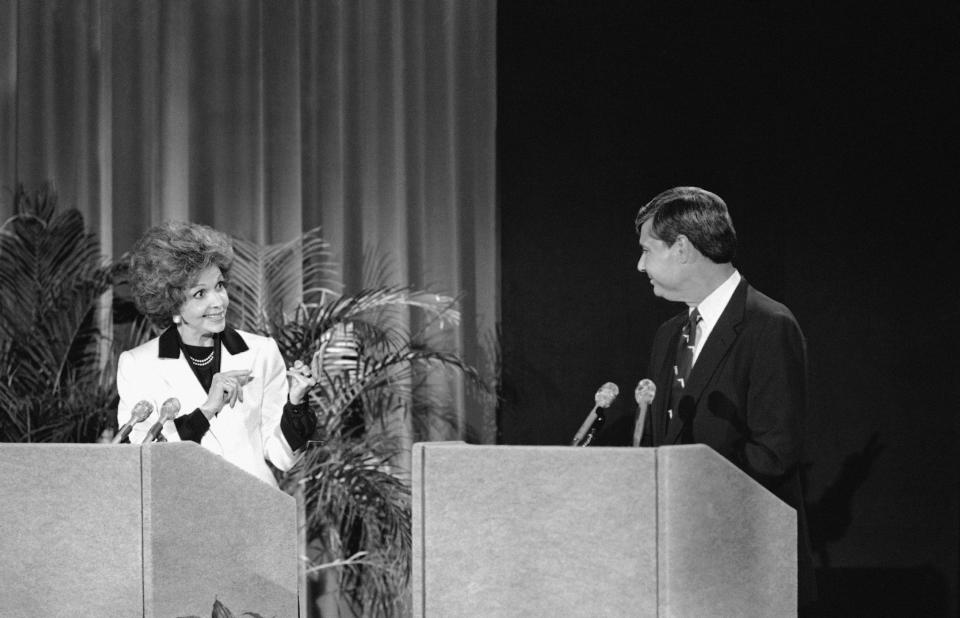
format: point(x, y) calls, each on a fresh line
point(719, 341)
point(170, 342)
point(712, 307)
point(233, 342)
point(714, 350)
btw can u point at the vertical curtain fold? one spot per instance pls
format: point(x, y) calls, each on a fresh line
point(264, 118)
point(9, 60)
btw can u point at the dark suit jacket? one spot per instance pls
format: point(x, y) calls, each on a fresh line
point(745, 398)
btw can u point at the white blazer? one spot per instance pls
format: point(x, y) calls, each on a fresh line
point(245, 435)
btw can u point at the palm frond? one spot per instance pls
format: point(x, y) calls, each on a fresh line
point(52, 277)
point(385, 352)
point(378, 269)
point(356, 504)
point(267, 280)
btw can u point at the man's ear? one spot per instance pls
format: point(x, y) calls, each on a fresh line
point(683, 248)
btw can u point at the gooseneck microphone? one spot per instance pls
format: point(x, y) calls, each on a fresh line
point(140, 412)
point(644, 393)
point(168, 411)
point(602, 399)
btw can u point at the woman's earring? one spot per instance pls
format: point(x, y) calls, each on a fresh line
point(177, 320)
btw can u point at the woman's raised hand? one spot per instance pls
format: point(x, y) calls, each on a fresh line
point(226, 388)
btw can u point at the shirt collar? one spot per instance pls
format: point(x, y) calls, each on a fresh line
point(713, 305)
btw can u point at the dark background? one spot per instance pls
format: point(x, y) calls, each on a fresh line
point(830, 130)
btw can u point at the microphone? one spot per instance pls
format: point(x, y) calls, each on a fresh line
point(597, 424)
point(602, 399)
point(140, 412)
point(645, 392)
point(168, 411)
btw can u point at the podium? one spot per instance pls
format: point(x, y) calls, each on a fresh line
point(599, 531)
point(158, 530)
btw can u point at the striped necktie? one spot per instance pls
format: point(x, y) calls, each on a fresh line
point(684, 359)
point(688, 341)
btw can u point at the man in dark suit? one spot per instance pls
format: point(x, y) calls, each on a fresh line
point(730, 370)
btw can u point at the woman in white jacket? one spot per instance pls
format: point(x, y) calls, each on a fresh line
point(237, 398)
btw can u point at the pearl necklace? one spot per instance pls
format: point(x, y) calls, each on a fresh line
point(202, 362)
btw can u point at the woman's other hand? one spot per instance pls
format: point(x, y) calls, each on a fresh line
point(302, 377)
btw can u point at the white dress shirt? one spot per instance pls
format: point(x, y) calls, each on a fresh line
point(711, 308)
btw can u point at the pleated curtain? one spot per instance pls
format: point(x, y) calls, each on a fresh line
point(264, 118)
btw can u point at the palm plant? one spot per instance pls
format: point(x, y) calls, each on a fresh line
point(53, 387)
point(385, 351)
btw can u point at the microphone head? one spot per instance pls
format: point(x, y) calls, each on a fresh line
point(141, 411)
point(169, 409)
point(606, 394)
point(645, 392)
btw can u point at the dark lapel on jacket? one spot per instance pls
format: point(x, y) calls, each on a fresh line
point(664, 379)
point(721, 339)
point(233, 342)
point(169, 343)
point(234, 346)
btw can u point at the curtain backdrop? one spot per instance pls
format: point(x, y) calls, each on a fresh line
point(264, 118)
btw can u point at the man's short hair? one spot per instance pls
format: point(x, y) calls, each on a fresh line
point(699, 215)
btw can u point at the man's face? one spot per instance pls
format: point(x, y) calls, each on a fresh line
point(660, 263)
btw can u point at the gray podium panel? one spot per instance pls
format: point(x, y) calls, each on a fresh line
point(213, 531)
point(727, 546)
point(70, 531)
point(533, 531)
point(561, 531)
point(159, 530)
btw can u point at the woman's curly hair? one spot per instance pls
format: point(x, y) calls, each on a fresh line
point(168, 259)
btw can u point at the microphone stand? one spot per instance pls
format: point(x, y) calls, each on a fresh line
point(594, 428)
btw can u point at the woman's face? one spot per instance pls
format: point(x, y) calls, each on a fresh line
point(204, 313)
